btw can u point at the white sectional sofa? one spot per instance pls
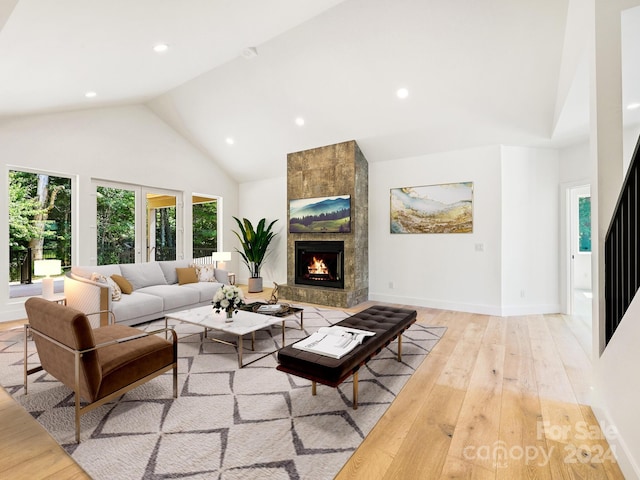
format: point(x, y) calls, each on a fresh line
point(156, 290)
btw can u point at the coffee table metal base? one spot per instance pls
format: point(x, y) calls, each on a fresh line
point(243, 323)
point(239, 343)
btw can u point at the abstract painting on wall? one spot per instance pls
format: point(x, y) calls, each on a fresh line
point(444, 208)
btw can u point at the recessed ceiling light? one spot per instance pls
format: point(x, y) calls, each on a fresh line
point(90, 94)
point(161, 47)
point(229, 141)
point(633, 106)
point(402, 93)
point(300, 121)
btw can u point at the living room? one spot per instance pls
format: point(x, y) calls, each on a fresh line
point(513, 262)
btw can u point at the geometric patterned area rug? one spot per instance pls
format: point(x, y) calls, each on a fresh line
point(227, 423)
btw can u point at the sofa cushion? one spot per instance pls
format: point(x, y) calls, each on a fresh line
point(168, 268)
point(137, 305)
point(172, 296)
point(187, 275)
point(123, 284)
point(116, 291)
point(206, 273)
point(106, 270)
point(222, 276)
point(206, 290)
point(143, 274)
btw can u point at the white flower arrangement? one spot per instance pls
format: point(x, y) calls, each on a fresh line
point(228, 298)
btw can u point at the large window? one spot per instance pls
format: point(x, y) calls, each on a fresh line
point(116, 222)
point(205, 225)
point(39, 227)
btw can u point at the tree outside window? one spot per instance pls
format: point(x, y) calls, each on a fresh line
point(205, 226)
point(116, 225)
point(39, 222)
point(584, 224)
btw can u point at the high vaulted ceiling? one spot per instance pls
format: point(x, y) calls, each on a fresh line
point(477, 72)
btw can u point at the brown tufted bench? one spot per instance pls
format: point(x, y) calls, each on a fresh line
point(387, 322)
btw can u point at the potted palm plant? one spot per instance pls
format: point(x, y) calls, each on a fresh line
point(255, 243)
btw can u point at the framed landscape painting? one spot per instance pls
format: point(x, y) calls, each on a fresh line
point(320, 215)
point(444, 208)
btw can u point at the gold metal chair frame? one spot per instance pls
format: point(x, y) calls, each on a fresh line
point(81, 410)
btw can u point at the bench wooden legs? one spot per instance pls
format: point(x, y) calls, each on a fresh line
point(355, 391)
point(314, 389)
point(314, 386)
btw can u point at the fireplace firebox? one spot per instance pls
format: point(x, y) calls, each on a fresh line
point(319, 264)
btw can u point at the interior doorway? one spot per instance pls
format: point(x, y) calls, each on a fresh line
point(579, 275)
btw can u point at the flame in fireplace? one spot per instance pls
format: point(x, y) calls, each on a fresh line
point(318, 267)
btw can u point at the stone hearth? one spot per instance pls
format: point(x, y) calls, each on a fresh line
point(333, 170)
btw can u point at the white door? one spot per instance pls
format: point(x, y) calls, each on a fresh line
point(163, 224)
point(580, 252)
point(137, 224)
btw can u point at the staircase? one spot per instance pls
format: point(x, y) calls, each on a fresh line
point(622, 250)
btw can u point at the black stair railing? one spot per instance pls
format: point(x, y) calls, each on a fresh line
point(621, 250)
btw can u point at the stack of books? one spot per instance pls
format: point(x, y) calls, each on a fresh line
point(270, 308)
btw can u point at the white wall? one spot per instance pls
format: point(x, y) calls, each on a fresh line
point(125, 144)
point(575, 165)
point(530, 228)
point(629, 142)
point(266, 199)
point(438, 270)
point(574, 170)
point(452, 271)
point(618, 390)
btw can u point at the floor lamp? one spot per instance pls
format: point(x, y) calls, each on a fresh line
point(46, 268)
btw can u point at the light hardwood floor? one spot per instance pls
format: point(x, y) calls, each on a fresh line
point(499, 398)
point(28, 451)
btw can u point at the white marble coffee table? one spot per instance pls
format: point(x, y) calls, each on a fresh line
point(242, 324)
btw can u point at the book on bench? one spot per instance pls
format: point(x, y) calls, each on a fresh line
point(333, 341)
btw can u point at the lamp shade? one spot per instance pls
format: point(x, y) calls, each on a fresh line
point(221, 256)
point(44, 268)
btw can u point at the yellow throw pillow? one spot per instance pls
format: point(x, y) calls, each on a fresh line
point(187, 275)
point(123, 283)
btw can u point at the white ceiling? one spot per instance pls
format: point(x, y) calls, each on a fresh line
point(478, 72)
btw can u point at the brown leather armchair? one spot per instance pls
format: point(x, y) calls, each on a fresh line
point(97, 364)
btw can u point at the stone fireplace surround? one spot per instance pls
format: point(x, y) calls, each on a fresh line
point(339, 169)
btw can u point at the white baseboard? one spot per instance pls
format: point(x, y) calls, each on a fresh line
point(497, 310)
point(626, 462)
point(439, 304)
point(515, 310)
